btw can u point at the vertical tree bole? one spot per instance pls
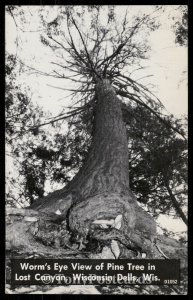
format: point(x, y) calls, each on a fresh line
point(100, 190)
point(106, 167)
point(103, 182)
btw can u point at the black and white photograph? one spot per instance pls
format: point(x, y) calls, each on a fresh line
point(96, 149)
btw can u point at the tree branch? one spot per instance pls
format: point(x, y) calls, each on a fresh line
point(175, 202)
point(131, 97)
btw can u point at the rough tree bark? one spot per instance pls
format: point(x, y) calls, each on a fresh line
point(97, 195)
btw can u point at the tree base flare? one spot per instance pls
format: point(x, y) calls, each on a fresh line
point(30, 231)
point(83, 215)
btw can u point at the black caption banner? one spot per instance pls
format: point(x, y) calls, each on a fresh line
point(96, 271)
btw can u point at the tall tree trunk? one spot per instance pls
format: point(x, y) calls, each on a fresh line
point(103, 182)
point(100, 190)
point(106, 167)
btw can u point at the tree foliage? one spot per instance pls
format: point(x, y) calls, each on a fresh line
point(24, 141)
point(181, 27)
point(158, 164)
point(40, 161)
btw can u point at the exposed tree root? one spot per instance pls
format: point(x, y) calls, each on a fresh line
point(30, 231)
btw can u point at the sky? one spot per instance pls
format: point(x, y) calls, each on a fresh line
point(167, 64)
